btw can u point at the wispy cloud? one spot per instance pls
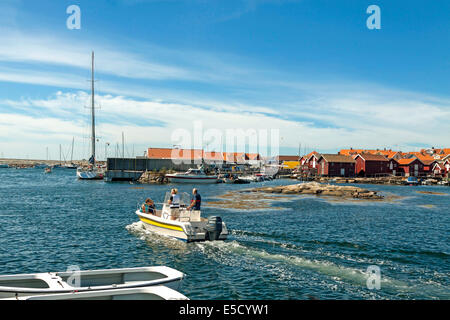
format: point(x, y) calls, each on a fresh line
point(150, 123)
point(149, 91)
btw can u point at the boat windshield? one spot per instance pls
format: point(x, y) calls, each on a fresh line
point(185, 199)
point(194, 171)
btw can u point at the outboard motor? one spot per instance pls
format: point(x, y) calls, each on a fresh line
point(213, 228)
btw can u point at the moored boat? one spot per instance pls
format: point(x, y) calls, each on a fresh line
point(144, 293)
point(192, 176)
point(89, 174)
point(90, 280)
point(411, 181)
point(183, 224)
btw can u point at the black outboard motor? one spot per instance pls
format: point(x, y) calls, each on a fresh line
point(213, 228)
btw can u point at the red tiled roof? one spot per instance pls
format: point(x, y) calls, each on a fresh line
point(428, 162)
point(313, 153)
point(348, 152)
point(420, 156)
point(171, 153)
point(216, 156)
point(406, 161)
point(371, 157)
point(337, 158)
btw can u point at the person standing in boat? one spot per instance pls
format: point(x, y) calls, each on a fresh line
point(196, 200)
point(174, 200)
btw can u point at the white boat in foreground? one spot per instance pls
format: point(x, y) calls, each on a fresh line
point(192, 176)
point(12, 286)
point(144, 293)
point(182, 224)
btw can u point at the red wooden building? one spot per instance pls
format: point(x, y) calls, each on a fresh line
point(311, 160)
point(336, 165)
point(393, 167)
point(428, 166)
point(370, 165)
point(439, 170)
point(411, 167)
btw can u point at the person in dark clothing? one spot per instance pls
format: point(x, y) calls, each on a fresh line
point(196, 200)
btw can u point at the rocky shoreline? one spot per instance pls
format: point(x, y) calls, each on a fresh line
point(315, 188)
point(390, 180)
point(150, 177)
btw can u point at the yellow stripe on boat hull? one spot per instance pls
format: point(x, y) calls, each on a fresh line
point(162, 225)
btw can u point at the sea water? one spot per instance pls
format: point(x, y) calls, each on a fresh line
point(299, 247)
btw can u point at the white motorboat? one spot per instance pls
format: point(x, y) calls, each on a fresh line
point(89, 174)
point(66, 282)
point(249, 178)
point(144, 293)
point(196, 176)
point(183, 224)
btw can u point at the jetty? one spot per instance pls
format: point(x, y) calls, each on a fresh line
point(31, 163)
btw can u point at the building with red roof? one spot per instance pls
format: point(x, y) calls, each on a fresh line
point(411, 167)
point(336, 165)
point(369, 165)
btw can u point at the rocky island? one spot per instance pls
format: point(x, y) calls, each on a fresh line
point(315, 188)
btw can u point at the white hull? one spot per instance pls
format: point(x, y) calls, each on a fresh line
point(89, 175)
point(145, 293)
point(61, 282)
point(191, 179)
point(189, 229)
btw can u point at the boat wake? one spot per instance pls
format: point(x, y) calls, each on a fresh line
point(139, 230)
point(233, 252)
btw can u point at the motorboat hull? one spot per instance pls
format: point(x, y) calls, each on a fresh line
point(179, 178)
point(92, 280)
point(144, 293)
point(188, 231)
point(89, 175)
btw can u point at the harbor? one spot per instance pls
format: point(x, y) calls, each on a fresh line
point(225, 158)
point(312, 245)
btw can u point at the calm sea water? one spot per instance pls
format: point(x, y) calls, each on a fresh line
point(310, 247)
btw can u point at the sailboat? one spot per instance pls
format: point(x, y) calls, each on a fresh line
point(58, 166)
point(71, 165)
point(92, 172)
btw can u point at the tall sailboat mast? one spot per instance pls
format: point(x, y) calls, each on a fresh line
point(93, 112)
point(71, 154)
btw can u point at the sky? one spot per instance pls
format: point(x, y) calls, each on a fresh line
point(309, 70)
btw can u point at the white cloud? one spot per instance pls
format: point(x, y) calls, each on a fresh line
point(149, 123)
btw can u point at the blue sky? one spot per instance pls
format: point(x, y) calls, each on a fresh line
point(308, 68)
